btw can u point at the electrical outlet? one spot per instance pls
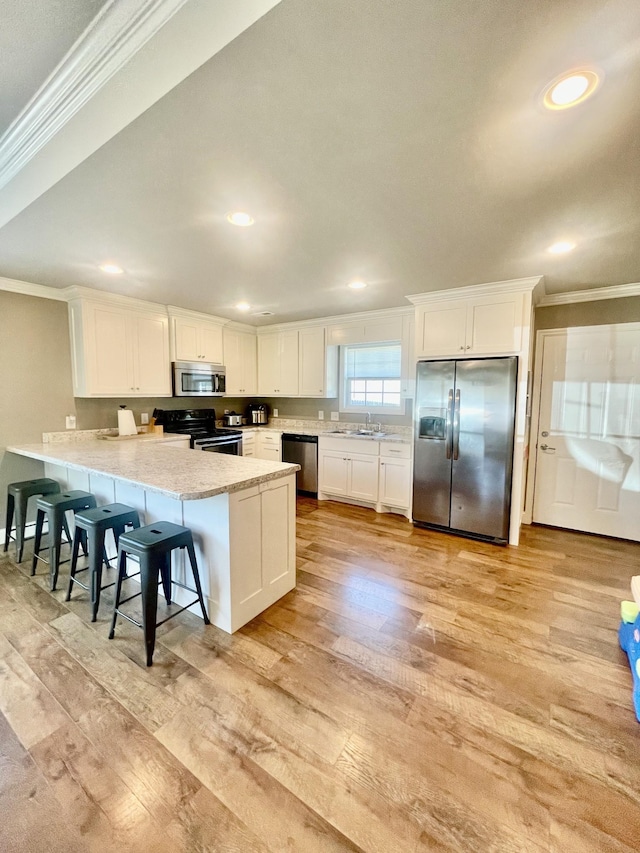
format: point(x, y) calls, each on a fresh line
point(144, 417)
point(226, 411)
point(70, 422)
point(335, 416)
point(320, 415)
point(275, 413)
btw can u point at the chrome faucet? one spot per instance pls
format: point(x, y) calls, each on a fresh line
point(368, 418)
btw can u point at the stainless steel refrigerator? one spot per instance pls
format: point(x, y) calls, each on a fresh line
point(463, 455)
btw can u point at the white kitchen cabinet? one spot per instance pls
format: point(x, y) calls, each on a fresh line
point(248, 442)
point(196, 340)
point(240, 360)
point(119, 351)
point(278, 364)
point(483, 325)
point(318, 363)
point(268, 445)
point(348, 468)
point(395, 483)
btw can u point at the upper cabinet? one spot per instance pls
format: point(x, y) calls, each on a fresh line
point(240, 360)
point(119, 349)
point(483, 320)
point(195, 337)
point(278, 364)
point(318, 367)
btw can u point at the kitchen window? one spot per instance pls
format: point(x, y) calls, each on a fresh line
point(370, 378)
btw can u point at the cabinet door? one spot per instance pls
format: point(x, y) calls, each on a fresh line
point(441, 328)
point(109, 353)
point(268, 364)
point(152, 373)
point(312, 362)
point(210, 343)
point(288, 352)
point(186, 339)
point(363, 479)
point(240, 361)
point(494, 324)
point(333, 472)
point(395, 482)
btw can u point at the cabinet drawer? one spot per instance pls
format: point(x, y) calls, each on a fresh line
point(349, 445)
point(269, 438)
point(395, 450)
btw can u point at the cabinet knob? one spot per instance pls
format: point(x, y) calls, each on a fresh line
point(468, 346)
point(462, 348)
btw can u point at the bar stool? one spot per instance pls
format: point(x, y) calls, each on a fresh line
point(93, 524)
point(153, 545)
point(54, 507)
point(18, 495)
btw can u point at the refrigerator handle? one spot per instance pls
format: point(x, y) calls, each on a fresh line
point(456, 425)
point(448, 443)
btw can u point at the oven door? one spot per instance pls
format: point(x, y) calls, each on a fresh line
point(232, 445)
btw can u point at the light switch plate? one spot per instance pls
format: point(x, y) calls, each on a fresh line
point(335, 416)
point(144, 417)
point(70, 422)
point(320, 415)
point(275, 413)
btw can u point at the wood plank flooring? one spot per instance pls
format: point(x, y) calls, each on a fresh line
point(416, 692)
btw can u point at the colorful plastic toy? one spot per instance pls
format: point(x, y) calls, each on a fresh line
point(629, 636)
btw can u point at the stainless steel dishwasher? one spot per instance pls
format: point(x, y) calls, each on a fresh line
point(302, 450)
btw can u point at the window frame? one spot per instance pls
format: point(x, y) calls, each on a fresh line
point(343, 406)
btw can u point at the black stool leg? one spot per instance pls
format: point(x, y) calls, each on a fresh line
point(37, 540)
point(196, 580)
point(96, 556)
point(56, 524)
point(122, 571)
point(9, 521)
point(149, 584)
point(74, 561)
point(165, 573)
point(21, 523)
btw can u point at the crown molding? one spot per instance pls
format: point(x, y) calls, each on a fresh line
point(342, 319)
point(176, 311)
point(533, 284)
point(27, 288)
point(596, 294)
point(106, 298)
point(117, 32)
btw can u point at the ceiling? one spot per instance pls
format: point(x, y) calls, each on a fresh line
point(403, 143)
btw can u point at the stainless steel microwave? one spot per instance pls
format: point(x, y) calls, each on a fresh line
point(198, 379)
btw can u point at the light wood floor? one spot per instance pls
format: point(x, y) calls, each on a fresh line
point(417, 692)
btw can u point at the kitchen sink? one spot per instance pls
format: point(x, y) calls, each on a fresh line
point(369, 432)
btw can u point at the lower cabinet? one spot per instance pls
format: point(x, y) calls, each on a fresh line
point(268, 445)
point(372, 472)
point(248, 442)
point(395, 476)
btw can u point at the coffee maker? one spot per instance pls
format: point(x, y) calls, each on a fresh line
point(257, 413)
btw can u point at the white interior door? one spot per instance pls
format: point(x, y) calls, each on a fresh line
point(588, 443)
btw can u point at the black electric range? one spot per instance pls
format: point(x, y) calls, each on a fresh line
point(200, 424)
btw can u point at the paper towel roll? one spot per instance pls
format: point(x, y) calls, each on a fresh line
point(126, 423)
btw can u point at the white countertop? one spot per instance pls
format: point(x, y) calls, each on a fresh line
point(176, 472)
point(332, 430)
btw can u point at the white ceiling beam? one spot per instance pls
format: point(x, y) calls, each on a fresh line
point(130, 56)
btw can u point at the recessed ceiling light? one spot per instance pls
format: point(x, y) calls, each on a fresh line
point(561, 247)
point(570, 89)
point(240, 218)
point(357, 284)
point(111, 269)
point(243, 306)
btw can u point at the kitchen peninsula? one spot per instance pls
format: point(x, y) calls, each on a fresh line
point(241, 512)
